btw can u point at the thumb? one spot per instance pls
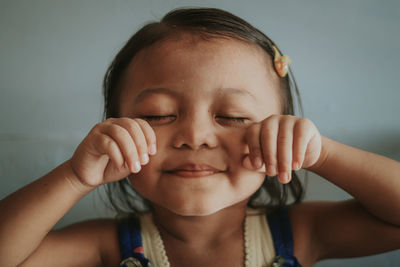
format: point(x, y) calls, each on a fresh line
point(246, 162)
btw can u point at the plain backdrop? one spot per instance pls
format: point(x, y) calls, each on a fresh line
point(54, 54)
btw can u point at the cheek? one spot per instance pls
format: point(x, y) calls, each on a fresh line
point(234, 145)
point(145, 180)
point(244, 181)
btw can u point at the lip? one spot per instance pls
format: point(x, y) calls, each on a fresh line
point(193, 170)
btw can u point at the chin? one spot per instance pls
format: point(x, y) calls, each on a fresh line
point(200, 206)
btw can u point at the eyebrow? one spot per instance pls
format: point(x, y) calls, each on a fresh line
point(238, 92)
point(150, 91)
point(172, 93)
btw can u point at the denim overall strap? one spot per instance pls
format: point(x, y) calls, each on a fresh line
point(130, 243)
point(281, 231)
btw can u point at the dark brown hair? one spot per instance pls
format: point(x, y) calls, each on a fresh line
point(206, 23)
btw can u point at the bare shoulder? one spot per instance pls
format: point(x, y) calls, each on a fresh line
point(88, 243)
point(342, 229)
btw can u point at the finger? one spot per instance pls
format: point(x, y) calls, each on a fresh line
point(284, 149)
point(149, 134)
point(137, 135)
point(253, 142)
point(268, 140)
point(301, 139)
point(121, 136)
point(248, 165)
point(107, 146)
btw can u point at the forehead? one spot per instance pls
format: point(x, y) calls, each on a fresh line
point(191, 65)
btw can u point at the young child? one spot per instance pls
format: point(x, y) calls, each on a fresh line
point(200, 120)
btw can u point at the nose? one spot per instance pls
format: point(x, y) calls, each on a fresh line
point(195, 132)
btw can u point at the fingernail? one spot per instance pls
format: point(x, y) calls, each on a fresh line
point(247, 163)
point(152, 149)
point(144, 159)
point(136, 167)
point(285, 177)
point(296, 166)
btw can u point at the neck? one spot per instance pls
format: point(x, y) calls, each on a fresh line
point(207, 230)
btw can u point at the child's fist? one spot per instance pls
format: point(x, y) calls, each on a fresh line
point(112, 150)
point(282, 143)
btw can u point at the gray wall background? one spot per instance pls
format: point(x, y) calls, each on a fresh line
point(54, 54)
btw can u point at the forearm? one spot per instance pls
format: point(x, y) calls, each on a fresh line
point(27, 215)
point(372, 179)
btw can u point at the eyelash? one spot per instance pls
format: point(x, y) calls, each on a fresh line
point(230, 119)
point(156, 117)
point(234, 119)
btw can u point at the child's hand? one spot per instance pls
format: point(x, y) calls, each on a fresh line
point(283, 143)
point(112, 150)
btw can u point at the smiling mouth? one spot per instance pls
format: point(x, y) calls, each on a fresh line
point(193, 170)
point(192, 173)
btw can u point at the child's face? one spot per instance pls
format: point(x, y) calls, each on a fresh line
point(202, 90)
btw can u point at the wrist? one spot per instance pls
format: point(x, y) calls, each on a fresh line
point(72, 178)
point(323, 156)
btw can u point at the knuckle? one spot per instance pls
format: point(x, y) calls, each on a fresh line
point(305, 120)
point(140, 121)
point(255, 150)
point(299, 137)
point(109, 120)
point(274, 117)
point(134, 126)
point(270, 121)
point(270, 157)
point(284, 139)
point(305, 123)
point(123, 122)
point(117, 130)
point(97, 127)
point(147, 130)
point(267, 133)
point(271, 161)
point(253, 129)
point(105, 142)
point(141, 125)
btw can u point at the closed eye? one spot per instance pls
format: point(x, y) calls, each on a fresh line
point(159, 118)
point(233, 119)
point(163, 119)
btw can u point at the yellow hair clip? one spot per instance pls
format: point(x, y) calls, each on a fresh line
point(281, 63)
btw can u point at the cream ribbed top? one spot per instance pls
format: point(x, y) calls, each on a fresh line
point(259, 247)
